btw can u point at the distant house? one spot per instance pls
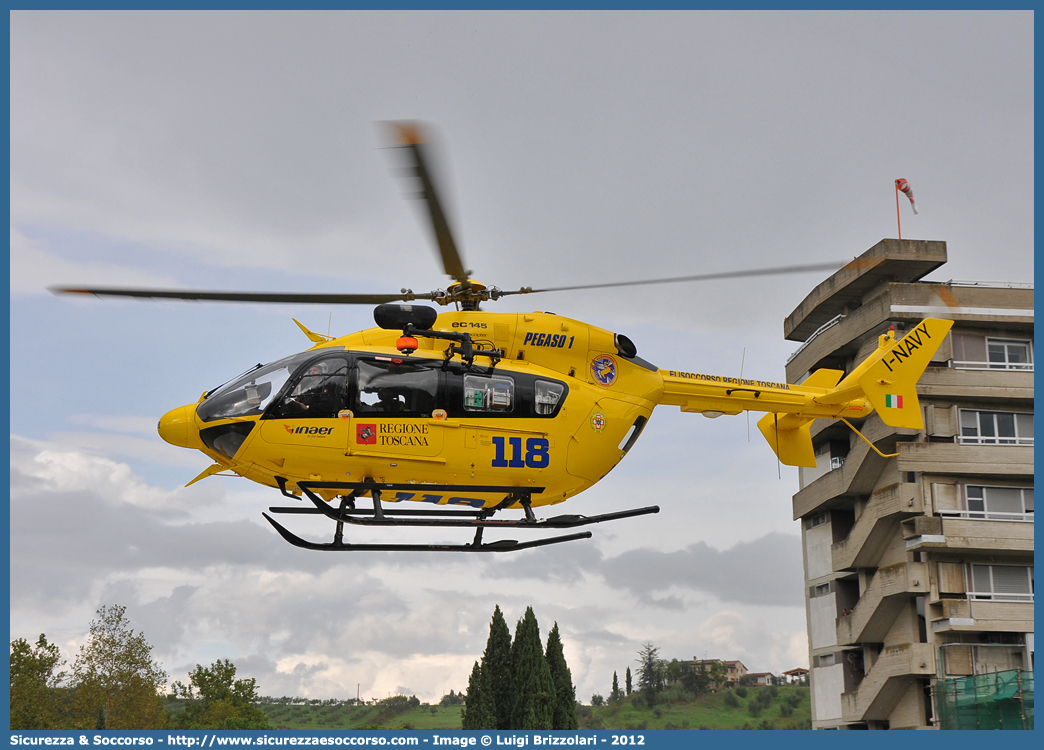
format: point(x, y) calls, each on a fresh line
point(707, 666)
point(795, 676)
point(734, 671)
point(759, 678)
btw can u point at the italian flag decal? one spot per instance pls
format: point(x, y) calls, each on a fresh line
point(893, 402)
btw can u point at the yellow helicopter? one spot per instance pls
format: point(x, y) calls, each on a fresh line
point(484, 411)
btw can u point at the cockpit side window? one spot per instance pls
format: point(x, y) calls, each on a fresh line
point(489, 393)
point(318, 391)
point(251, 393)
point(395, 388)
point(546, 395)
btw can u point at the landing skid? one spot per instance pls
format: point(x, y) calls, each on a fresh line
point(479, 520)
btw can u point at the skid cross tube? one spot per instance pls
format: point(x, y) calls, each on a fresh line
point(504, 545)
point(431, 518)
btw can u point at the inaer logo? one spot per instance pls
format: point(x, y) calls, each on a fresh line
point(604, 369)
point(366, 434)
point(308, 430)
point(893, 402)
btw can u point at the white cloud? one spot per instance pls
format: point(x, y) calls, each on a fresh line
point(34, 270)
point(750, 639)
point(123, 423)
point(52, 469)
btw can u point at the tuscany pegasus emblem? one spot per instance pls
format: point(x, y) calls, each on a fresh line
point(366, 434)
point(604, 369)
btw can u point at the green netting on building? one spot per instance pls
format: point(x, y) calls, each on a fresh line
point(999, 700)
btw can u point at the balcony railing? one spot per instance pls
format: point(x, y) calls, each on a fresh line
point(962, 364)
point(993, 440)
point(992, 596)
point(829, 324)
point(988, 515)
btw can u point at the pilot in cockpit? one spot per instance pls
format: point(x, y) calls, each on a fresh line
point(316, 394)
point(390, 402)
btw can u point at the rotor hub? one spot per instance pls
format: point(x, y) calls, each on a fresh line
point(468, 294)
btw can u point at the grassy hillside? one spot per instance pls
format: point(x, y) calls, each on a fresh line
point(363, 717)
point(788, 708)
point(781, 708)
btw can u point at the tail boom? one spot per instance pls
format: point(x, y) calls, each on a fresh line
point(886, 381)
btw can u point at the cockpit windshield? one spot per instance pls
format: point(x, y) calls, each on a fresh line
point(250, 394)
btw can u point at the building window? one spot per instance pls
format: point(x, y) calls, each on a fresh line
point(817, 520)
point(823, 660)
point(989, 353)
point(996, 428)
point(1008, 354)
point(821, 589)
point(998, 503)
point(1006, 583)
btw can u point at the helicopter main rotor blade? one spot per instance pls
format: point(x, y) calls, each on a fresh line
point(291, 297)
point(698, 277)
point(412, 140)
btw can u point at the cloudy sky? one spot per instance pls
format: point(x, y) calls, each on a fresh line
point(240, 151)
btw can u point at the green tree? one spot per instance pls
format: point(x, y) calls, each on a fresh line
point(496, 665)
point(34, 680)
point(215, 699)
point(615, 695)
point(452, 699)
point(478, 713)
point(117, 682)
point(650, 672)
point(564, 711)
point(627, 681)
point(534, 690)
point(693, 679)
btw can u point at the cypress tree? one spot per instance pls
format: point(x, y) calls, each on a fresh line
point(477, 709)
point(496, 667)
point(533, 687)
point(615, 695)
point(564, 713)
point(627, 681)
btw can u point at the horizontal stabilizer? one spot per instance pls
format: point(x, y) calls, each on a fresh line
point(824, 378)
point(793, 447)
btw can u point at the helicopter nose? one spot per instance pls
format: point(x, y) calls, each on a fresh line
point(178, 427)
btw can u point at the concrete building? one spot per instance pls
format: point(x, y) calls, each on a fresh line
point(917, 567)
